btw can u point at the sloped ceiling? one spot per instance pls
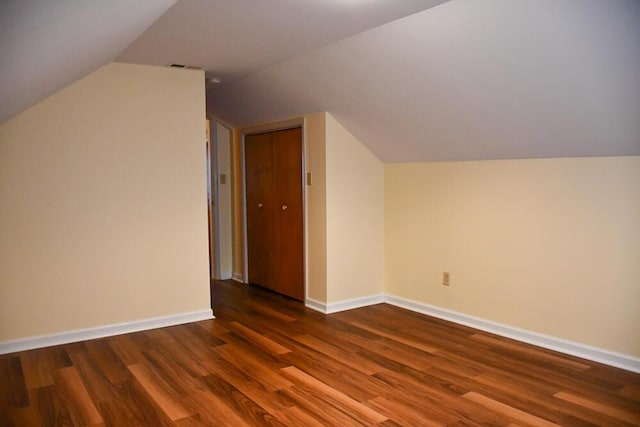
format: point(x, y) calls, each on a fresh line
point(414, 80)
point(47, 44)
point(468, 80)
point(233, 38)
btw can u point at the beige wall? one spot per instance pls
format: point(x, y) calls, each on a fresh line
point(316, 206)
point(549, 245)
point(355, 216)
point(103, 215)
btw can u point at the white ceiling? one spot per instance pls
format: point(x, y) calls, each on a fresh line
point(468, 80)
point(414, 80)
point(232, 38)
point(46, 45)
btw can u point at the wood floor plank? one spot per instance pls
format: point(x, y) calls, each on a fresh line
point(618, 413)
point(248, 385)
point(266, 375)
point(108, 361)
point(164, 398)
point(39, 366)
point(54, 407)
point(97, 384)
point(270, 312)
point(129, 347)
point(337, 353)
point(27, 416)
point(514, 392)
point(340, 376)
point(630, 392)
point(508, 411)
point(345, 402)
point(13, 389)
point(539, 354)
point(213, 327)
point(294, 416)
point(133, 407)
point(257, 339)
point(213, 411)
point(69, 380)
point(395, 337)
point(168, 366)
point(403, 413)
point(244, 406)
point(177, 354)
point(439, 402)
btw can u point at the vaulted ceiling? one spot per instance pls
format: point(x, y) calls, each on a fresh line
point(45, 45)
point(414, 80)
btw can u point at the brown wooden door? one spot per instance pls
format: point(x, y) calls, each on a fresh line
point(273, 164)
point(259, 187)
point(287, 225)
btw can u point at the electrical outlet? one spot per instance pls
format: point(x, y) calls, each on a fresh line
point(445, 278)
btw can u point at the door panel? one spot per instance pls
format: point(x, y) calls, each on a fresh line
point(259, 187)
point(288, 239)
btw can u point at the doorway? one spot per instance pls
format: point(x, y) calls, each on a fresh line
point(219, 195)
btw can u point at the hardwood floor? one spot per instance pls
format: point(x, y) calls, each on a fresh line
point(267, 360)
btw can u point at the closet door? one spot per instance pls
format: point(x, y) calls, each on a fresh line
point(260, 203)
point(288, 224)
point(273, 164)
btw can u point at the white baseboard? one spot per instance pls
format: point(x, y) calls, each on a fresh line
point(316, 305)
point(595, 354)
point(350, 304)
point(343, 305)
point(237, 277)
point(103, 331)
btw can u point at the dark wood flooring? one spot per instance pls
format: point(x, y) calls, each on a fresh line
point(267, 360)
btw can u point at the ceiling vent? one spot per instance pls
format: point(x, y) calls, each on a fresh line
point(186, 67)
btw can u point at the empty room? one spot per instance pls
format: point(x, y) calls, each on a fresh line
point(320, 212)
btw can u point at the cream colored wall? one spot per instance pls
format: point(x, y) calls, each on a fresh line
point(355, 216)
point(549, 245)
point(316, 206)
point(103, 215)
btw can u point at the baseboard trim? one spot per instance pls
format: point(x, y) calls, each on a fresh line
point(237, 277)
point(316, 305)
point(103, 331)
point(348, 304)
point(595, 354)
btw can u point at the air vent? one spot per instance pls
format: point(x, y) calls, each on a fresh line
point(186, 67)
